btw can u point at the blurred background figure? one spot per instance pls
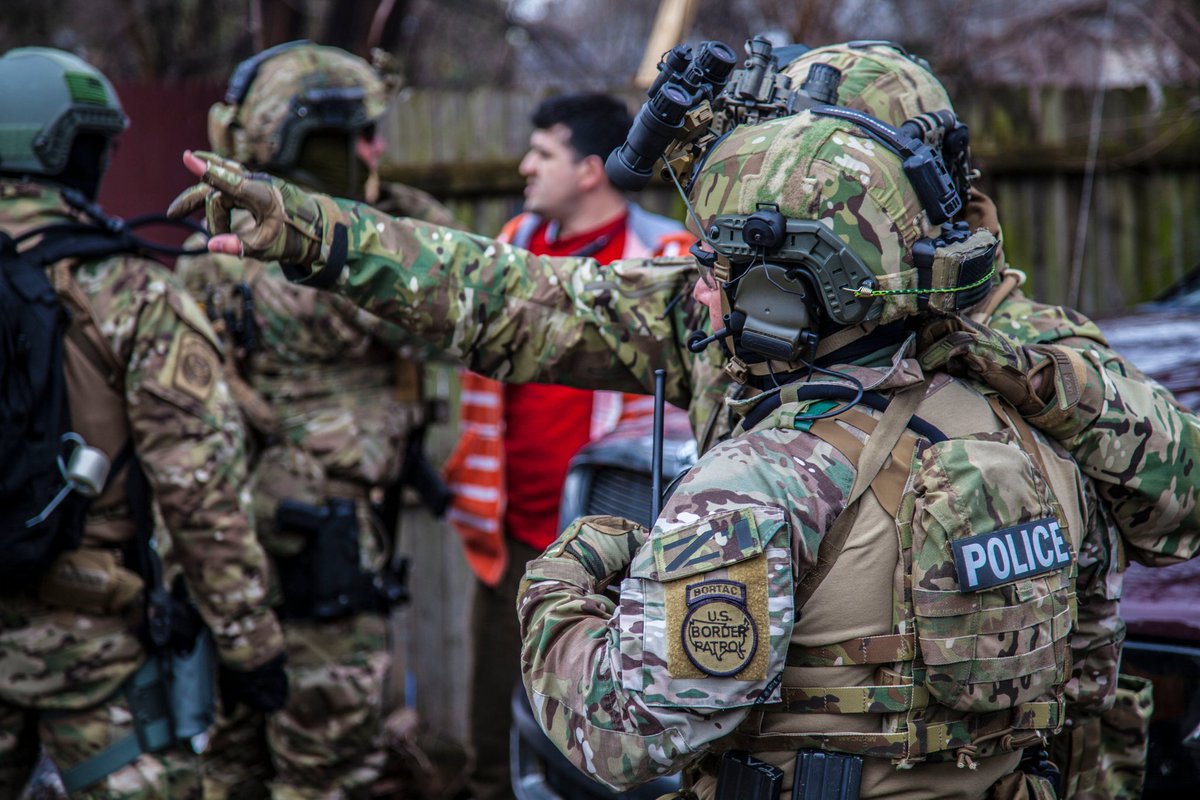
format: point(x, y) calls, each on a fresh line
point(333, 406)
point(130, 371)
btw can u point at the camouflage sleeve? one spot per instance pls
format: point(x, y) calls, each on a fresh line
point(508, 314)
point(189, 440)
point(1099, 632)
point(1134, 438)
point(638, 688)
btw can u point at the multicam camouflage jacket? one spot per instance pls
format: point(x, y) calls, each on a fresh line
point(170, 394)
point(708, 633)
point(522, 318)
point(325, 384)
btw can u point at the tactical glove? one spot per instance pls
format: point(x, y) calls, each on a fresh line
point(603, 546)
point(262, 689)
point(1044, 382)
point(292, 226)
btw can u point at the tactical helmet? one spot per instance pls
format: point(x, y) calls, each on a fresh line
point(50, 99)
point(283, 94)
point(880, 78)
point(817, 225)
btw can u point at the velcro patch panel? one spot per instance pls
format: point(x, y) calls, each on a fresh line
point(1010, 554)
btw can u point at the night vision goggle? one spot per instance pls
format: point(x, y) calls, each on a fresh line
point(699, 96)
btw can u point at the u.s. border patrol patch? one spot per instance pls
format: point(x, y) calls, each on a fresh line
point(715, 588)
point(719, 636)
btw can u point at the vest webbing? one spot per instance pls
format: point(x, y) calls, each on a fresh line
point(1001, 730)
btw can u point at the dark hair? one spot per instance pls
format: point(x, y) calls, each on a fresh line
point(597, 122)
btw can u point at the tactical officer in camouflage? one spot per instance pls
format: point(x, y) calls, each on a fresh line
point(596, 331)
point(799, 597)
point(144, 377)
point(884, 80)
point(332, 403)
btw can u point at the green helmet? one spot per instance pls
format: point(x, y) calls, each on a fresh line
point(818, 225)
point(50, 98)
point(280, 96)
point(880, 78)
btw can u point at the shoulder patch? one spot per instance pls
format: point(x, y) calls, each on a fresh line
point(196, 366)
point(702, 547)
point(718, 635)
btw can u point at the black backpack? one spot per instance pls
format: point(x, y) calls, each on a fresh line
point(34, 413)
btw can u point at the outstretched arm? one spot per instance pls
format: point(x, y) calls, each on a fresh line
point(499, 310)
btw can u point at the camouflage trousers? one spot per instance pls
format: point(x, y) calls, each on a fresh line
point(327, 741)
point(62, 683)
point(72, 737)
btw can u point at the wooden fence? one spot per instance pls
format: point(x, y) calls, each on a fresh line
point(1140, 233)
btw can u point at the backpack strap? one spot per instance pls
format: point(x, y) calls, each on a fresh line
point(84, 331)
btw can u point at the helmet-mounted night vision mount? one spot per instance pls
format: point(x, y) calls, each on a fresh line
point(759, 91)
point(698, 97)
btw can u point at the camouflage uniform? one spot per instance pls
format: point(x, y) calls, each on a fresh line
point(62, 668)
point(602, 726)
point(716, 641)
point(328, 373)
point(572, 322)
point(893, 86)
point(333, 405)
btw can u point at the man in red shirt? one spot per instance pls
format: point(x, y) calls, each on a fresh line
point(509, 467)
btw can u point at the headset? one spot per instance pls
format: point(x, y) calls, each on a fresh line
point(786, 279)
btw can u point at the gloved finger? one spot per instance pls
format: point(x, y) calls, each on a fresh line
point(225, 243)
point(189, 201)
point(219, 213)
point(227, 176)
point(194, 164)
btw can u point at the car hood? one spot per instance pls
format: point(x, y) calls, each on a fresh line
point(1164, 344)
point(1161, 602)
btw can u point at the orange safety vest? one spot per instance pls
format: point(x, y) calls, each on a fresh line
point(475, 470)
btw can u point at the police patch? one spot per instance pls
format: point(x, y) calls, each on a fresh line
point(1010, 554)
point(718, 634)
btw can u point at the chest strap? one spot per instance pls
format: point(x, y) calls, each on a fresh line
point(870, 458)
point(886, 649)
point(979, 735)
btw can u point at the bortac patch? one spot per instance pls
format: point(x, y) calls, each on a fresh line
point(719, 636)
point(1010, 554)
